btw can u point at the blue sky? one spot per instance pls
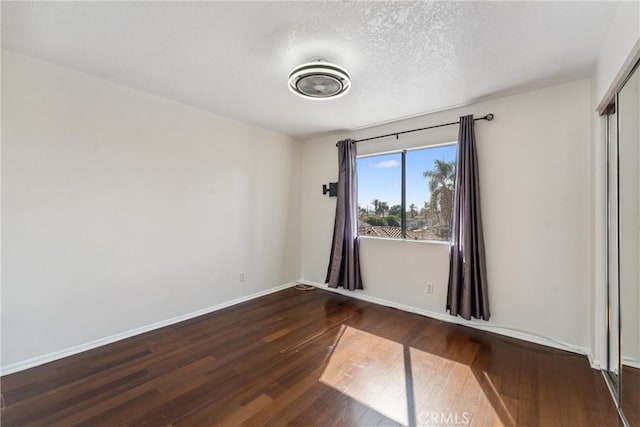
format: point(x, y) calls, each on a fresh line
point(379, 177)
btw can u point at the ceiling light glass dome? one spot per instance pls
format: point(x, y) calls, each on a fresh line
point(319, 80)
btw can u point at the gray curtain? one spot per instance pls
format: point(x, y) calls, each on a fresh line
point(467, 294)
point(344, 262)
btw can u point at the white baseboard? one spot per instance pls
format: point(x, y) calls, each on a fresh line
point(595, 363)
point(46, 358)
point(634, 363)
point(523, 335)
point(501, 330)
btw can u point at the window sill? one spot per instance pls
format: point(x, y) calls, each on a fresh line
point(433, 242)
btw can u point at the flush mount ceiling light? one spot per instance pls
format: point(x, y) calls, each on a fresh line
point(319, 80)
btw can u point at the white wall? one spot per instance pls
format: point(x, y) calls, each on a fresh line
point(121, 209)
point(535, 186)
point(622, 38)
point(616, 53)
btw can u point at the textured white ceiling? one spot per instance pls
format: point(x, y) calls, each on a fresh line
point(233, 58)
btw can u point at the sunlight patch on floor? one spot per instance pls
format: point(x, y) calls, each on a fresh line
point(370, 370)
point(447, 392)
point(439, 391)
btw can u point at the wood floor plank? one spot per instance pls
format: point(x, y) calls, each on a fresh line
point(630, 394)
point(311, 358)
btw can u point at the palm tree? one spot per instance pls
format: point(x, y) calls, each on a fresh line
point(384, 207)
point(412, 210)
point(425, 210)
point(395, 210)
point(441, 180)
point(376, 206)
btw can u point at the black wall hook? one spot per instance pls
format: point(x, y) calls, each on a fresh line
point(332, 189)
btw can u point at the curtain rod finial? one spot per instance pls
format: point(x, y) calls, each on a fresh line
point(489, 117)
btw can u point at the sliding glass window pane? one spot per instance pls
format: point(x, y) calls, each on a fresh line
point(379, 195)
point(430, 177)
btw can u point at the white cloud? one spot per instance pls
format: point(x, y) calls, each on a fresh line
point(386, 164)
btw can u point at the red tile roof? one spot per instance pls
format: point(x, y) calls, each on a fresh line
point(394, 232)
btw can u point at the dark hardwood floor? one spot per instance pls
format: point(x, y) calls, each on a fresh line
point(312, 358)
point(631, 394)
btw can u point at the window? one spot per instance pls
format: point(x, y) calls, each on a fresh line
point(380, 195)
point(407, 194)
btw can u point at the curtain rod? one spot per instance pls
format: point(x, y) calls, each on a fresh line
point(488, 117)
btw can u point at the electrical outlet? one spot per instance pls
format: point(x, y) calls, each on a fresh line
point(429, 287)
point(242, 277)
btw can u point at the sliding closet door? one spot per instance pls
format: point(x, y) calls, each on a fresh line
point(628, 110)
point(613, 360)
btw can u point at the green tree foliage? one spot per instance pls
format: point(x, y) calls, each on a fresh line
point(384, 208)
point(412, 210)
point(393, 220)
point(374, 220)
point(376, 206)
point(441, 181)
point(395, 210)
point(424, 210)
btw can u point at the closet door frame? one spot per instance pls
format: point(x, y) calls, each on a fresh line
point(614, 380)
